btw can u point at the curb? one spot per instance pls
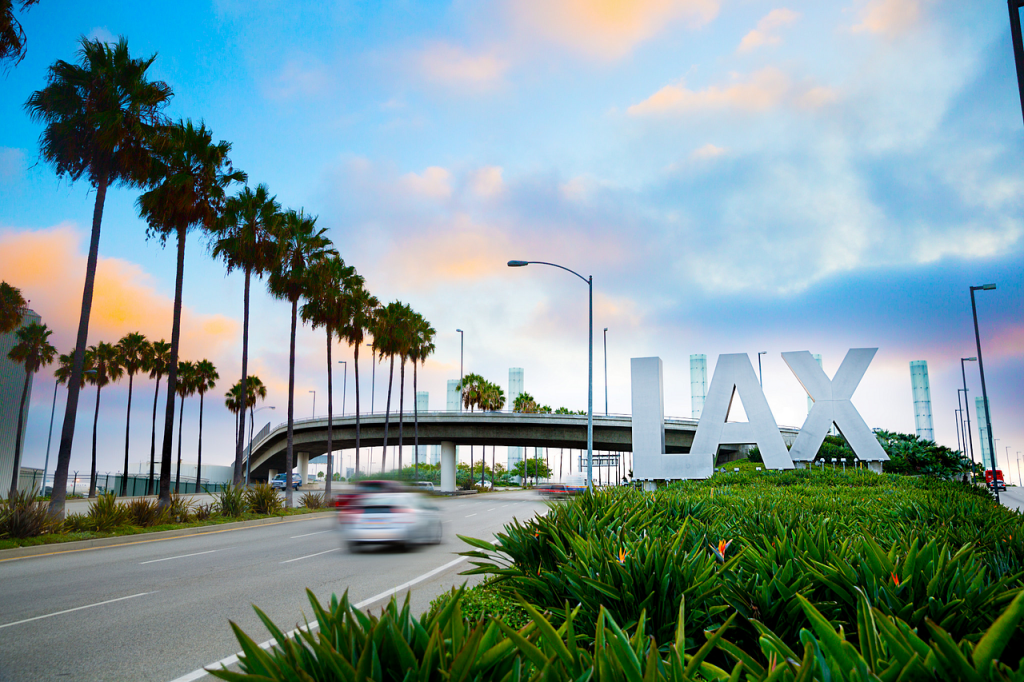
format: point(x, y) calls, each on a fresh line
point(138, 538)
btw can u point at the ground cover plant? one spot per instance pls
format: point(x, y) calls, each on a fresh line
point(752, 575)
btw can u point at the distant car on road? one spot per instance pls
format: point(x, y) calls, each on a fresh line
point(400, 519)
point(279, 481)
point(996, 476)
point(425, 486)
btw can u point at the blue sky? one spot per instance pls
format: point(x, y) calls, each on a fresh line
point(737, 176)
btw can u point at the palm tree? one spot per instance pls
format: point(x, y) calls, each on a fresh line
point(406, 340)
point(133, 357)
point(158, 364)
point(360, 310)
point(12, 307)
point(470, 388)
point(185, 386)
point(233, 401)
point(187, 186)
point(104, 360)
point(65, 365)
point(12, 36)
point(492, 399)
point(300, 246)
point(421, 349)
point(33, 350)
point(100, 115)
point(205, 378)
point(388, 338)
point(326, 295)
point(245, 241)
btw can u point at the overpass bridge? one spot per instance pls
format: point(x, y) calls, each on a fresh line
point(612, 433)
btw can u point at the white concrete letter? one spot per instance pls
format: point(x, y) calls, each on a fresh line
point(733, 374)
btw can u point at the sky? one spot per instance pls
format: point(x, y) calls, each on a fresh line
point(736, 175)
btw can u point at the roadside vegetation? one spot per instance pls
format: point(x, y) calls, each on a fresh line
point(797, 575)
point(25, 521)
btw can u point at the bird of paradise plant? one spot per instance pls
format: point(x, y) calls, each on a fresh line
point(719, 551)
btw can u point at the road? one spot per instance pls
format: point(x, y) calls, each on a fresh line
point(158, 610)
point(1012, 497)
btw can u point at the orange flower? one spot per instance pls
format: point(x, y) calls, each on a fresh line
point(622, 556)
point(720, 550)
point(895, 579)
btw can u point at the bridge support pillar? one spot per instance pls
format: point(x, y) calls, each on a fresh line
point(303, 464)
point(270, 474)
point(447, 466)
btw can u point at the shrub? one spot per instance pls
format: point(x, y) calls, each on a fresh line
point(78, 523)
point(203, 512)
point(233, 501)
point(313, 500)
point(483, 601)
point(144, 512)
point(263, 499)
point(180, 510)
point(22, 516)
point(106, 513)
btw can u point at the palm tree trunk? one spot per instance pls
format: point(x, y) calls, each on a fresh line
point(95, 420)
point(152, 442)
point(199, 457)
point(67, 433)
point(17, 439)
point(127, 431)
point(330, 418)
point(387, 416)
point(401, 411)
point(172, 380)
point(416, 421)
point(245, 368)
point(177, 476)
point(355, 365)
point(291, 411)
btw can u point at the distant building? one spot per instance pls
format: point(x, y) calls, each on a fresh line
point(454, 396)
point(515, 388)
point(423, 405)
point(922, 399)
point(986, 452)
point(12, 381)
point(698, 383)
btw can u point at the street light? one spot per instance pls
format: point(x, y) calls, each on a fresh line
point(373, 378)
point(1018, 45)
point(462, 348)
point(248, 458)
point(981, 367)
point(590, 376)
point(49, 435)
point(606, 371)
point(967, 411)
point(344, 387)
point(1018, 470)
point(760, 379)
point(959, 425)
point(314, 404)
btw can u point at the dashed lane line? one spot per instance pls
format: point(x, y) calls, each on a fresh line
point(77, 608)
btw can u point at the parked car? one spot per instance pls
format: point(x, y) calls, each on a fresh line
point(400, 519)
point(279, 481)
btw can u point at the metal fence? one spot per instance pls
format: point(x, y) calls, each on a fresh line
point(138, 484)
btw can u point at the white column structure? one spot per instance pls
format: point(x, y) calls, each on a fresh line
point(447, 466)
point(922, 399)
point(303, 464)
point(698, 383)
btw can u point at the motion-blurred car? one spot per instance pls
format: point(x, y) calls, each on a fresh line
point(555, 491)
point(400, 519)
point(279, 481)
point(349, 494)
point(425, 486)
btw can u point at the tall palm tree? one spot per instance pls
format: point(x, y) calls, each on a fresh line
point(470, 387)
point(12, 307)
point(406, 340)
point(33, 351)
point(104, 360)
point(158, 364)
point(421, 349)
point(388, 337)
point(100, 115)
point(360, 309)
point(187, 189)
point(233, 401)
point(65, 366)
point(300, 247)
point(12, 36)
point(205, 378)
point(492, 399)
point(244, 240)
point(327, 290)
point(133, 350)
point(185, 386)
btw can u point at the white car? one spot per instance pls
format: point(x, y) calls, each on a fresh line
point(399, 519)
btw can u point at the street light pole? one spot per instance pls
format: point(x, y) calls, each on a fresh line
point(1018, 45)
point(967, 411)
point(314, 404)
point(344, 386)
point(959, 428)
point(373, 378)
point(760, 379)
point(981, 370)
point(49, 437)
point(606, 371)
point(462, 348)
point(248, 458)
point(590, 370)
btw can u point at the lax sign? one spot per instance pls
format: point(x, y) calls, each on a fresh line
point(734, 374)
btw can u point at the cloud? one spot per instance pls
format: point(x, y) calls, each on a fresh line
point(889, 17)
point(434, 182)
point(302, 75)
point(608, 29)
point(103, 34)
point(708, 151)
point(453, 66)
point(765, 33)
point(763, 90)
point(12, 164)
point(49, 267)
point(487, 182)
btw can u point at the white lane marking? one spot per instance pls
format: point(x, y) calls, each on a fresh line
point(503, 506)
point(180, 556)
point(473, 514)
point(306, 535)
point(77, 608)
point(492, 509)
point(310, 556)
point(231, 660)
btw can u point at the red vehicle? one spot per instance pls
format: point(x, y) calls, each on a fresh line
point(998, 477)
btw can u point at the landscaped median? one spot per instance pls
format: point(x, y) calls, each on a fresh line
point(25, 522)
point(753, 576)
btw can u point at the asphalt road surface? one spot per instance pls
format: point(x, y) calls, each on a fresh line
point(159, 610)
point(1012, 497)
